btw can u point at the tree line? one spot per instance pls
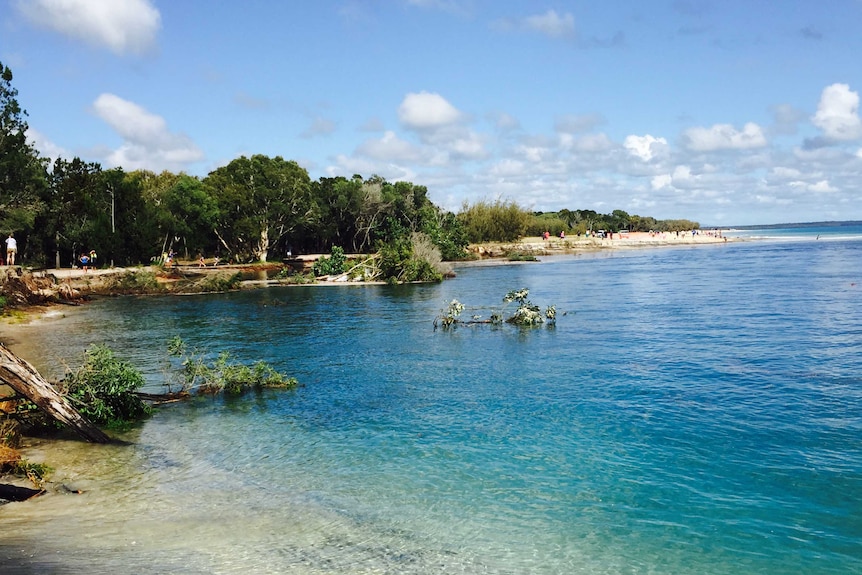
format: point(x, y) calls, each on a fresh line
point(256, 208)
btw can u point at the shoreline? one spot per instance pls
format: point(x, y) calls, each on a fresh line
point(91, 283)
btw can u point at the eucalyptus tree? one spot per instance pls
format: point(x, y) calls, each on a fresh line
point(189, 214)
point(340, 202)
point(68, 221)
point(23, 175)
point(261, 200)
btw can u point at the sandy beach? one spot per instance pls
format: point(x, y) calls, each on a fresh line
point(572, 244)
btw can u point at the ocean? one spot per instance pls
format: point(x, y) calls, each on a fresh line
point(695, 410)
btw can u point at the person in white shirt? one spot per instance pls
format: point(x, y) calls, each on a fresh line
point(11, 250)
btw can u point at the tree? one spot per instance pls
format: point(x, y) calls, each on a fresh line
point(23, 176)
point(260, 201)
point(189, 213)
point(67, 223)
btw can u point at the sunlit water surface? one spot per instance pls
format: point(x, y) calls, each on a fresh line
point(694, 411)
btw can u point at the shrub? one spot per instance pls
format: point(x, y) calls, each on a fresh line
point(219, 282)
point(103, 388)
point(500, 221)
point(332, 265)
point(131, 282)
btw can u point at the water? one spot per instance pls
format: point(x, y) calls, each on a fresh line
point(696, 410)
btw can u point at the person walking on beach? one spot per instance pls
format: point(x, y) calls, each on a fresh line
point(11, 250)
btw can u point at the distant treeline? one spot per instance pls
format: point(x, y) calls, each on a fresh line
point(506, 221)
point(255, 208)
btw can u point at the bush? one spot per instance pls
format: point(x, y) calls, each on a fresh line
point(332, 265)
point(134, 282)
point(497, 222)
point(400, 263)
point(103, 389)
point(219, 282)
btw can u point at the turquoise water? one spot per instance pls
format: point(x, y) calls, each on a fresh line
point(843, 232)
point(696, 410)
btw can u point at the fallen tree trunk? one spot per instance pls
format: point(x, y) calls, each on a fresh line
point(24, 379)
point(15, 493)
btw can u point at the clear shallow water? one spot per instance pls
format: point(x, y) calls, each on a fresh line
point(697, 410)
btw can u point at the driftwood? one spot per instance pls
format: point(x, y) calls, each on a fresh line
point(15, 493)
point(25, 380)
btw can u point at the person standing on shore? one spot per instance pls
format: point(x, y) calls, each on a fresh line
point(85, 261)
point(11, 249)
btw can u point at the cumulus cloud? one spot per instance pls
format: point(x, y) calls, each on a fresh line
point(838, 113)
point(427, 111)
point(724, 137)
point(46, 147)
point(389, 148)
point(552, 24)
point(123, 26)
point(645, 147)
point(148, 144)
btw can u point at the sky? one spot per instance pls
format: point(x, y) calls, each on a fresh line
point(725, 112)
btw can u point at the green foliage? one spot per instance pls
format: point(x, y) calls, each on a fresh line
point(103, 389)
point(332, 265)
point(260, 200)
point(200, 375)
point(220, 282)
point(400, 264)
point(494, 222)
point(23, 175)
point(451, 314)
point(546, 222)
point(527, 314)
point(134, 282)
point(516, 256)
point(37, 473)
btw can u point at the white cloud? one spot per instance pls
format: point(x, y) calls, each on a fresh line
point(148, 144)
point(662, 181)
point(120, 25)
point(782, 172)
point(591, 143)
point(427, 111)
point(552, 24)
point(724, 137)
point(644, 147)
point(822, 187)
point(389, 148)
point(838, 113)
point(46, 147)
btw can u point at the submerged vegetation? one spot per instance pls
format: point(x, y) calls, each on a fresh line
point(526, 314)
point(199, 372)
point(106, 390)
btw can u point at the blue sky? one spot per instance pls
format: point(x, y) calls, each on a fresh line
point(724, 112)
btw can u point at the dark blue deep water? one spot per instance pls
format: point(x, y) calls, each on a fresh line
point(694, 411)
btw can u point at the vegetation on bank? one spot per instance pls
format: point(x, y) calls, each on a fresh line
point(254, 209)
